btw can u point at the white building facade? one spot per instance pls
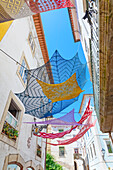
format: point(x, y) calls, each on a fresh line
point(19, 47)
point(65, 154)
point(98, 146)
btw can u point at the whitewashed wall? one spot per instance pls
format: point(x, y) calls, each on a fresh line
point(68, 159)
point(15, 43)
point(96, 137)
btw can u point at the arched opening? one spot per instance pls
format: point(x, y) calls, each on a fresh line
point(13, 162)
point(75, 165)
point(16, 162)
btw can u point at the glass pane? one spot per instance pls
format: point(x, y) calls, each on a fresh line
point(61, 151)
point(39, 151)
point(22, 68)
point(91, 152)
point(76, 150)
point(61, 130)
point(11, 120)
point(30, 38)
point(110, 149)
point(94, 149)
point(13, 167)
point(25, 77)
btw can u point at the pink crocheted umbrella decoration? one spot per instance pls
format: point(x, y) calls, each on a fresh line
point(78, 136)
point(87, 113)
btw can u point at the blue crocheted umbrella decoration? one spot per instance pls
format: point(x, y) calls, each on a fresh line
point(57, 70)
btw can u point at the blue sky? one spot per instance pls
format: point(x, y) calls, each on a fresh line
point(58, 35)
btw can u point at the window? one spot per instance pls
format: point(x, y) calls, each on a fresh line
point(94, 149)
point(13, 114)
point(87, 133)
point(91, 152)
point(31, 42)
point(90, 131)
point(61, 151)
point(21, 70)
point(11, 120)
point(109, 146)
point(39, 151)
point(39, 148)
point(86, 47)
point(75, 150)
point(61, 130)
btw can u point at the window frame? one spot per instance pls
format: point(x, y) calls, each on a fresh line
point(63, 151)
point(40, 145)
point(76, 150)
point(91, 152)
point(108, 140)
point(61, 130)
point(94, 150)
point(30, 43)
point(4, 137)
point(21, 77)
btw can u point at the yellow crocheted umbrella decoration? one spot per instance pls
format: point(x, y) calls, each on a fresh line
point(63, 91)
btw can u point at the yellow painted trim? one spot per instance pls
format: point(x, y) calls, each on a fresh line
point(3, 28)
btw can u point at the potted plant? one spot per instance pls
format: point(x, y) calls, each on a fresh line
point(10, 131)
